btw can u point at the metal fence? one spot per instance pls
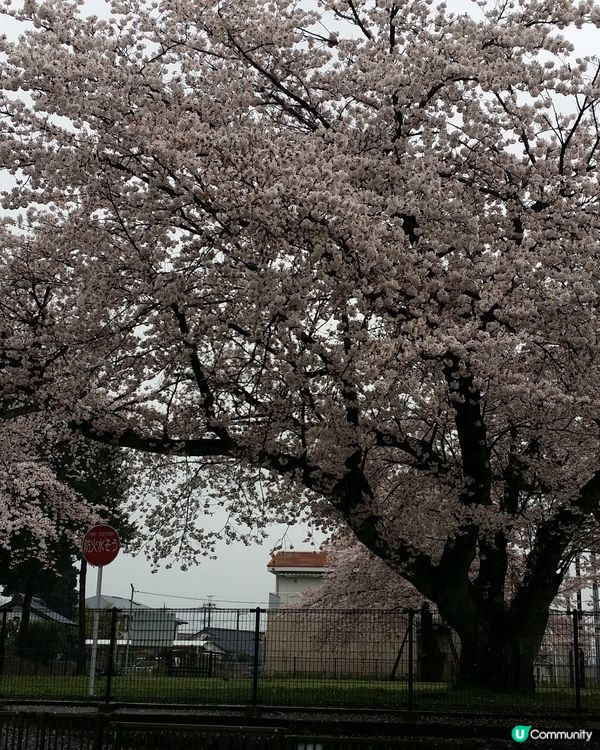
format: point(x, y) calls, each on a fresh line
point(20, 731)
point(30, 731)
point(285, 657)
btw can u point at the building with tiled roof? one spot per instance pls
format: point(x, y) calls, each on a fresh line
point(295, 573)
point(298, 560)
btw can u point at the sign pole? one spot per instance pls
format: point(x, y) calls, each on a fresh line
point(95, 633)
point(101, 545)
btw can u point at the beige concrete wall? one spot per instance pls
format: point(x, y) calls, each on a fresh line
point(334, 644)
point(295, 586)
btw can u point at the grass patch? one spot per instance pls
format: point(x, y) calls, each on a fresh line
point(300, 691)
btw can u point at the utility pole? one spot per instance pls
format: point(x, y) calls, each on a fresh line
point(578, 576)
point(206, 610)
point(578, 654)
point(129, 627)
point(596, 606)
point(209, 606)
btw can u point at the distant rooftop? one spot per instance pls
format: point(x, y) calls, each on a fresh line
point(226, 640)
point(38, 607)
point(108, 602)
point(124, 605)
point(298, 560)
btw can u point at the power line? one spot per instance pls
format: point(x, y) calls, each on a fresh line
point(196, 598)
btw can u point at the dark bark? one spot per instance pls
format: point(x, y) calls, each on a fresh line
point(498, 649)
point(502, 664)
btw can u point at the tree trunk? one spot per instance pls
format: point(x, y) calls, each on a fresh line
point(504, 666)
point(499, 655)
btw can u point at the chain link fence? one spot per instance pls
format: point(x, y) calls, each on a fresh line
point(392, 659)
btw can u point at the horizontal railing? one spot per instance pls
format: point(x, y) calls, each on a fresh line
point(30, 731)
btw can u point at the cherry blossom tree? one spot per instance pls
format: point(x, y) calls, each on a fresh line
point(358, 579)
point(36, 507)
point(342, 260)
point(53, 488)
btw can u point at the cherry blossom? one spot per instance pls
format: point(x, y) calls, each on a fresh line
point(342, 261)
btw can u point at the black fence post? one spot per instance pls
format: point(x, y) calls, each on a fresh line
point(576, 661)
point(43, 731)
point(21, 717)
point(3, 641)
point(111, 654)
point(411, 658)
point(255, 663)
point(99, 739)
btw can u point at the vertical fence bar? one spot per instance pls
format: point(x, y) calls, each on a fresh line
point(3, 641)
point(411, 660)
point(99, 734)
point(43, 732)
point(111, 654)
point(576, 661)
point(255, 664)
point(21, 731)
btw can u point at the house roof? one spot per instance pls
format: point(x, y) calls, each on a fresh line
point(298, 560)
point(108, 602)
point(38, 607)
point(228, 640)
point(123, 604)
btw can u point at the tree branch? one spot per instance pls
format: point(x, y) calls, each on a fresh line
point(542, 577)
point(161, 445)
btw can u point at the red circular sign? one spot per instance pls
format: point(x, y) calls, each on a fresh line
point(101, 545)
